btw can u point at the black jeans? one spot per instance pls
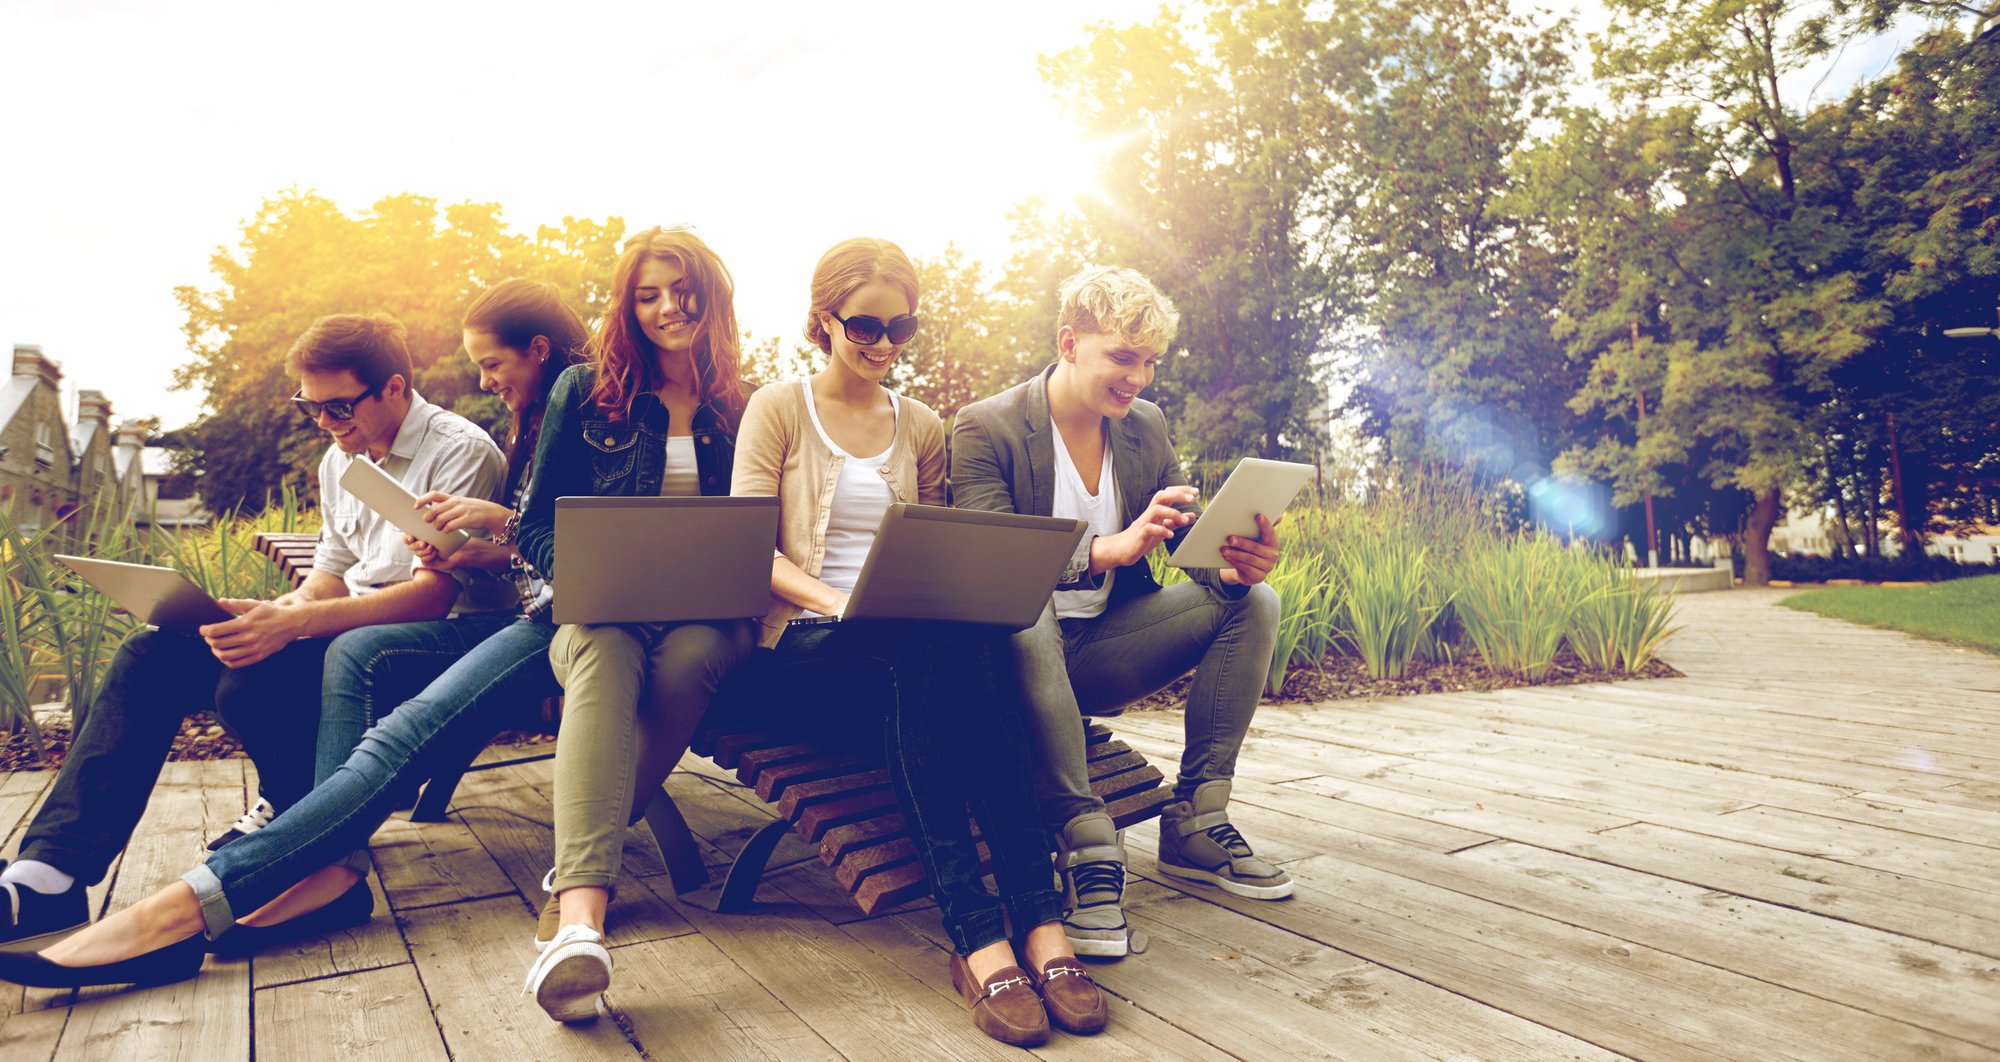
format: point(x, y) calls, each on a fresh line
point(954, 737)
point(155, 679)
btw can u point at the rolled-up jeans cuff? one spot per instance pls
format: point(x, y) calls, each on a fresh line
point(357, 861)
point(215, 912)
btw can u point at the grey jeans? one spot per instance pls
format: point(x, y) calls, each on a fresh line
point(1076, 667)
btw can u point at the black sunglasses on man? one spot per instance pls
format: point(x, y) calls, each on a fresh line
point(337, 408)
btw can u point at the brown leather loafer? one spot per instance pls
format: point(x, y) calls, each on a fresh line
point(1005, 1007)
point(1075, 1004)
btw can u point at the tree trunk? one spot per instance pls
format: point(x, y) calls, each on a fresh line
point(1844, 546)
point(1874, 520)
point(1757, 539)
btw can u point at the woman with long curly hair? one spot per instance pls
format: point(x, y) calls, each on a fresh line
point(654, 412)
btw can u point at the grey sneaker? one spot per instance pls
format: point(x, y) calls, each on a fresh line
point(1197, 843)
point(1093, 873)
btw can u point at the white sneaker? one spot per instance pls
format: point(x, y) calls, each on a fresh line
point(571, 974)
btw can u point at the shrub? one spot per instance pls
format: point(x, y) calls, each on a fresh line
point(53, 623)
point(1618, 624)
point(1803, 568)
point(1515, 597)
point(1388, 598)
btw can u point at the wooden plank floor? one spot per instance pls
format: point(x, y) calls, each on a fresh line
point(1793, 852)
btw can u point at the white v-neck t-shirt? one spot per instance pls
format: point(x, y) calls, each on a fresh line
point(1100, 510)
point(860, 497)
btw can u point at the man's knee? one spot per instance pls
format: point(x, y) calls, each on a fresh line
point(1262, 605)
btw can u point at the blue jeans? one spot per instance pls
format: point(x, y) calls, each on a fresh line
point(949, 716)
point(371, 670)
point(488, 683)
point(155, 679)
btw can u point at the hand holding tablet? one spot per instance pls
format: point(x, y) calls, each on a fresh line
point(379, 491)
point(1256, 488)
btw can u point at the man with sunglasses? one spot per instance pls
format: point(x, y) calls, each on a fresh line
point(1078, 441)
point(263, 667)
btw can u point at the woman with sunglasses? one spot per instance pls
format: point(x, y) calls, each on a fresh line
point(838, 449)
point(653, 413)
point(302, 873)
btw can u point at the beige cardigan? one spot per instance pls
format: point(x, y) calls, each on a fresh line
point(779, 452)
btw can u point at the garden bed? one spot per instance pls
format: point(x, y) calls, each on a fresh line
point(202, 737)
point(1342, 677)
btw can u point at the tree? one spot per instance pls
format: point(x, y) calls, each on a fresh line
point(1456, 281)
point(1745, 311)
point(1915, 157)
point(1220, 142)
point(957, 356)
point(302, 257)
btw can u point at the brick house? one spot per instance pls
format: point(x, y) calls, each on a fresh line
point(49, 467)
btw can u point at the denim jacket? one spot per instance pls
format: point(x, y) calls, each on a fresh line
point(583, 452)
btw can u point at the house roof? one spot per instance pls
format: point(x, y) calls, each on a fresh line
point(80, 435)
point(14, 394)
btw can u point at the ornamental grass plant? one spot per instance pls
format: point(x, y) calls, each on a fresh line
point(1618, 624)
point(1516, 596)
point(56, 627)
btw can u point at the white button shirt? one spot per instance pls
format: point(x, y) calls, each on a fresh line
point(434, 449)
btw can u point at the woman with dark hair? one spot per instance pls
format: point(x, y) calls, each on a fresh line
point(302, 873)
point(838, 449)
point(653, 413)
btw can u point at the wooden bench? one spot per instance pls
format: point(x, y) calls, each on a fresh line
point(834, 797)
point(293, 554)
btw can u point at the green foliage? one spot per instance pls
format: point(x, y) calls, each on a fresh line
point(23, 572)
point(1516, 597)
point(302, 257)
point(955, 359)
point(1304, 586)
point(56, 626)
point(1388, 597)
point(1219, 146)
point(1618, 624)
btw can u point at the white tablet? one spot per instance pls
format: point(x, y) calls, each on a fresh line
point(379, 491)
point(1256, 486)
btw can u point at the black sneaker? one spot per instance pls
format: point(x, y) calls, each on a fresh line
point(259, 816)
point(25, 913)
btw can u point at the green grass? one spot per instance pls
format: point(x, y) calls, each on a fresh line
point(1962, 612)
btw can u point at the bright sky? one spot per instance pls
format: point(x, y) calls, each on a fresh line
point(136, 137)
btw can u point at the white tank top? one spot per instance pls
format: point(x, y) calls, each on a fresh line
point(860, 496)
point(683, 475)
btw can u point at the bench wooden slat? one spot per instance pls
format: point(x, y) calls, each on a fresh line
point(772, 781)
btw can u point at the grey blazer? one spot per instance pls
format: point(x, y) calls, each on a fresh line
point(1003, 460)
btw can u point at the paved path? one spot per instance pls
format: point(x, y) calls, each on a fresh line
point(1794, 852)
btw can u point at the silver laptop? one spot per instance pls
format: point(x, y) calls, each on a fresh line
point(659, 560)
point(159, 597)
point(962, 566)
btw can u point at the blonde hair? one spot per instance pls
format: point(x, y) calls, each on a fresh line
point(1109, 300)
point(842, 271)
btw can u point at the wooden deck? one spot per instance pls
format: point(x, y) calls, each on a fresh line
point(1792, 853)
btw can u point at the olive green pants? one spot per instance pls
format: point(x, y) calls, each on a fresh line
point(633, 695)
